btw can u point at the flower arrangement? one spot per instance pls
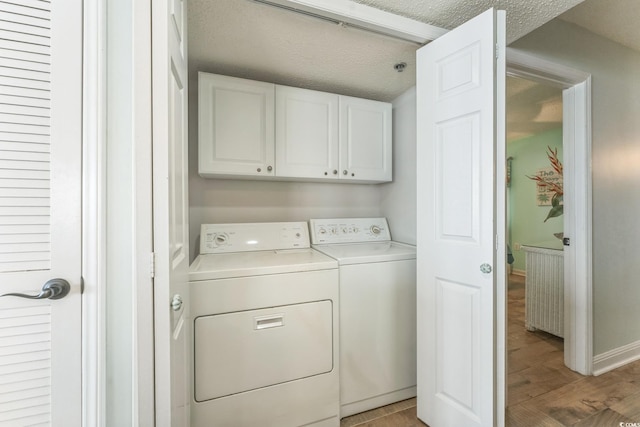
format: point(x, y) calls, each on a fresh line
point(556, 188)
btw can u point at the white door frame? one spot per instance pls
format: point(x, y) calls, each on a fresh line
point(93, 207)
point(94, 210)
point(576, 85)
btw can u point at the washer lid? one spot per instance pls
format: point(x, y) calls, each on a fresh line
point(241, 264)
point(359, 253)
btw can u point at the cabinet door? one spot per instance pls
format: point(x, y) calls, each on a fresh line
point(235, 123)
point(365, 139)
point(306, 133)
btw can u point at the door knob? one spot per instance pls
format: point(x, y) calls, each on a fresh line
point(53, 289)
point(486, 268)
point(176, 302)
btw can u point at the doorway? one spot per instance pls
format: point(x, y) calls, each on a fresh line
point(535, 313)
point(576, 136)
point(534, 188)
point(534, 143)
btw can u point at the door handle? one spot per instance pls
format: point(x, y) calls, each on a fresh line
point(486, 268)
point(53, 289)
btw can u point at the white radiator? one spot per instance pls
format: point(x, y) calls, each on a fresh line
point(544, 290)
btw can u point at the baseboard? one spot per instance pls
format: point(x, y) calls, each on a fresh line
point(377, 401)
point(615, 358)
point(518, 272)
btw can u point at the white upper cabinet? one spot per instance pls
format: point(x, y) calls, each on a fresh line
point(365, 139)
point(306, 133)
point(250, 129)
point(236, 127)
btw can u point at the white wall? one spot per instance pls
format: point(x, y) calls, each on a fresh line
point(224, 201)
point(616, 171)
point(398, 198)
point(119, 218)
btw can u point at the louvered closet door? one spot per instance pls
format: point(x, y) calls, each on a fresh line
point(40, 171)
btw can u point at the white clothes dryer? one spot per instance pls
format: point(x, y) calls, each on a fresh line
point(265, 310)
point(377, 311)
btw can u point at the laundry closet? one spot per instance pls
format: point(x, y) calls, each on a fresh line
point(253, 41)
point(284, 59)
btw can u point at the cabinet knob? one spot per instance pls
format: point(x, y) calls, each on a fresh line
point(335, 172)
point(259, 170)
point(344, 172)
point(325, 174)
point(269, 168)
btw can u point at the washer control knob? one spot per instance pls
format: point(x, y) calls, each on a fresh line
point(322, 231)
point(221, 239)
point(375, 229)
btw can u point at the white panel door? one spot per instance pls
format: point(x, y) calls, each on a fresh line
point(170, 216)
point(365, 139)
point(306, 133)
point(40, 211)
point(460, 222)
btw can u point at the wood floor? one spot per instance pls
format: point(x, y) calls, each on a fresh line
point(401, 414)
point(541, 390)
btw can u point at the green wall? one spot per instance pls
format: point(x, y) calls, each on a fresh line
point(526, 218)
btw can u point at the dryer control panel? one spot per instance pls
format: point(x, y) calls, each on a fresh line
point(220, 238)
point(349, 230)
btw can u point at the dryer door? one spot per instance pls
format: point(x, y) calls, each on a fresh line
point(248, 350)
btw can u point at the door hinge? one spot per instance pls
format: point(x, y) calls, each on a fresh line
point(152, 265)
point(497, 51)
point(496, 243)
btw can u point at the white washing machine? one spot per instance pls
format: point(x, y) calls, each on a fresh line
point(265, 328)
point(377, 311)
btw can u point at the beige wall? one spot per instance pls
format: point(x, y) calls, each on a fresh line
point(616, 171)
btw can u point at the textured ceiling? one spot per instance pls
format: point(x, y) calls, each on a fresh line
point(523, 16)
point(251, 40)
point(617, 20)
point(245, 39)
